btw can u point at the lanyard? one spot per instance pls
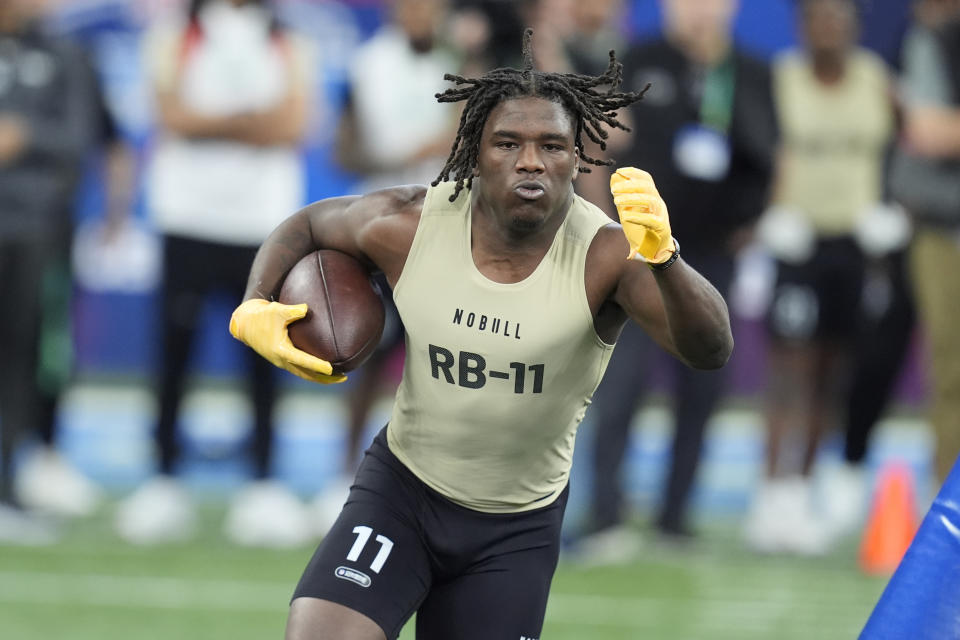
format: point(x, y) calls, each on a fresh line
point(716, 104)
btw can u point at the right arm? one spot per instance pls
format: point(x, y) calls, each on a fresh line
point(932, 119)
point(377, 229)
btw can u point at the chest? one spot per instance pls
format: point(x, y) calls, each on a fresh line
point(850, 117)
point(450, 305)
point(246, 71)
point(31, 77)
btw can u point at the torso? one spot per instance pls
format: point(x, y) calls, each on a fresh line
point(389, 238)
point(502, 353)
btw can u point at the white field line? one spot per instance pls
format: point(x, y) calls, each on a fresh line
point(716, 611)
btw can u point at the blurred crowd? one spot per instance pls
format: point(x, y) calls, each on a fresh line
point(833, 166)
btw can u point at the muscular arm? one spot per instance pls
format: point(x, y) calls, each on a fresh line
point(678, 307)
point(377, 229)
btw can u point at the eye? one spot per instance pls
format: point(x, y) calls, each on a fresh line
point(553, 147)
point(506, 144)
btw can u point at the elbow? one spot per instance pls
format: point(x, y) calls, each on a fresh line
point(715, 356)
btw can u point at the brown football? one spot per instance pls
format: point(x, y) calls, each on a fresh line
point(344, 320)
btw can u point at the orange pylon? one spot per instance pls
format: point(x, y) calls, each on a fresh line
point(892, 522)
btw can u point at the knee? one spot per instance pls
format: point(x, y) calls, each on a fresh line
point(315, 619)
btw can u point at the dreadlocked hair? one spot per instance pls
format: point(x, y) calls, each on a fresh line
point(583, 96)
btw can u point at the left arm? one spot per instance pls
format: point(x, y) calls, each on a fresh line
point(677, 306)
point(934, 130)
point(679, 309)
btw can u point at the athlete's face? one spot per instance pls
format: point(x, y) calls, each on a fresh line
point(527, 162)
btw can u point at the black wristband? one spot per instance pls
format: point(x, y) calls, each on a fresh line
point(666, 264)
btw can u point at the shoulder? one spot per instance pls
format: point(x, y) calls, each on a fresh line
point(750, 67)
point(387, 41)
point(299, 46)
point(788, 59)
point(400, 200)
point(870, 63)
point(651, 47)
point(390, 211)
point(165, 34)
point(392, 217)
point(160, 48)
point(606, 261)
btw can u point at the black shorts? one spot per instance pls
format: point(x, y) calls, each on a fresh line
point(399, 547)
point(819, 299)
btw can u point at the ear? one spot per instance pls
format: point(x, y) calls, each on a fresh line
point(576, 164)
point(476, 171)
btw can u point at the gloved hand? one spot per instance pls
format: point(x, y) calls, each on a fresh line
point(787, 234)
point(262, 326)
point(882, 229)
point(643, 215)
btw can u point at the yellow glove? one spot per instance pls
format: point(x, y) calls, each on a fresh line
point(643, 215)
point(262, 326)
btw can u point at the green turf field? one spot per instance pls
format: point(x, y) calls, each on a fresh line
point(92, 586)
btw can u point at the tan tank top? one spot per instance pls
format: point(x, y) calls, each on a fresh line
point(834, 139)
point(497, 376)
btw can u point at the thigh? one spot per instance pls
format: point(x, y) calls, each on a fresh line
point(186, 279)
point(840, 291)
point(373, 560)
point(505, 600)
point(503, 594)
point(794, 312)
point(233, 269)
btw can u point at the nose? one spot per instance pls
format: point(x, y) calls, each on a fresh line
point(529, 160)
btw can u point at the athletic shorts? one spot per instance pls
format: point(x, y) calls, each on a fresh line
point(819, 299)
point(399, 547)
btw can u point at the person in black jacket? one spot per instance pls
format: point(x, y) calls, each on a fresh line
point(47, 114)
point(706, 128)
point(926, 180)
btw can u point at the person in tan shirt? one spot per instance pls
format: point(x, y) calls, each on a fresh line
point(457, 506)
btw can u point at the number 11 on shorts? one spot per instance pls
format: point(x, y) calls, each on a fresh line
point(363, 535)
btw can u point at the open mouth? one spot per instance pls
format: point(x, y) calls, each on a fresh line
point(530, 190)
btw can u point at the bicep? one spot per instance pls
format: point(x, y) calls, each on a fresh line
point(376, 228)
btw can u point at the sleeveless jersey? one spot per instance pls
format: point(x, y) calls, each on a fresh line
point(834, 139)
point(497, 376)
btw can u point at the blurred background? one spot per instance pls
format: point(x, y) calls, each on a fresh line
point(159, 484)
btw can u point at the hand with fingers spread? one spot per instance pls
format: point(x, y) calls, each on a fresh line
point(643, 215)
point(262, 326)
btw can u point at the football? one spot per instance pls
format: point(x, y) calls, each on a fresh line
point(345, 314)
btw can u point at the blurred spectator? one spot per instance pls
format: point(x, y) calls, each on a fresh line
point(925, 178)
point(706, 132)
point(389, 136)
point(46, 480)
point(46, 116)
point(553, 22)
point(834, 105)
point(487, 32)
point(231, 93)
point(597, 28)
point(575, 36)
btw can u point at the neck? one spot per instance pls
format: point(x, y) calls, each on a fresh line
point(708, 50)
point(828, 67)
point(495, 231)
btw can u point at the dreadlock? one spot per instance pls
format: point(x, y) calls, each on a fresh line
point(579, 94)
